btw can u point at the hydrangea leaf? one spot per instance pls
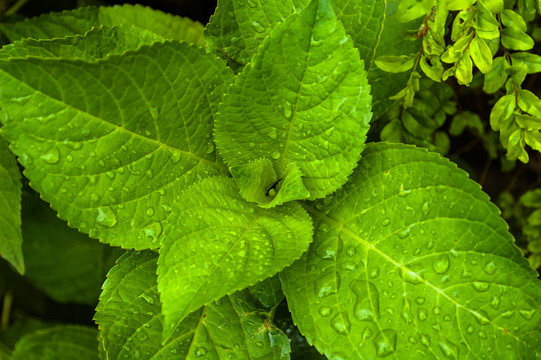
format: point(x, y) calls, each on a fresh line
point(237, 326)
point(66, 264)
point(62, 342)
point(95, 44)
point(10, 216)
point(79, 21)
point(411, 260)
point(258, 182)
point(396, 39)
point(113, 165)
point(304, 99)
point(238, 27)
point(223, 244)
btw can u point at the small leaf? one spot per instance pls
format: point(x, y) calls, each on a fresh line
point(236, 326)
point(304, 99)
point(409, 10)
point(481, 55)
point(456, 51)
point(434, 70)
point(395, 64)
point(486, 25)
point(459, 4)
point(515, 146)
point(216, 243)
point(494, 6)
point(462, 24)
point(513, 20)
point(10, 216)
point(517, 73)
point(464, 70)
point(529, 103)
point(516, 40)
point(532, 61)
point(502, 110)
point(62, 342)
point(497, 75)
point(533, 139)
point(528, 122)
point(445, 261)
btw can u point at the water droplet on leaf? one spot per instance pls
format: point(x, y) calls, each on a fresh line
point(385, 343)
point(51, 157)
point(341, 324)
point(441, 264)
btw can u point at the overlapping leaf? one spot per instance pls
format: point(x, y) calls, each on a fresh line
point(304, 100)
point(111, 143)
point(238, 326)
point(66, 264)
point(10, 216)
point(62, 342)
point(95, 44)
point(81, 20)
point(223, 245)
point(396, 39)
point(411, 260)
point(238, 27)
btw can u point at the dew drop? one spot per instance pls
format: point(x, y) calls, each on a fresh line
point(327, 284)
point(273, 134)
point(426, 209)
point(325, 311)
point(366, 307)
point(374, 272)
point(341, 324)
point(402, 192)
point(386, 222)
point(200, 352)
point(51, 157)
point(429, 245)
point(441, 265)
point(287, 109)
point(106, 217)
point(257, 27)
point(385, 343)
point(150, 211)
point(480, 286)
point(412, 275)
point(448, 349)
point(527, 314)
point(351, 251)
point(490, 268)
point(275, 155)
point(174, 156)
point(259, 344)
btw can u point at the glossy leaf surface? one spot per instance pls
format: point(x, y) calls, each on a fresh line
point(237, 326)
point(238, 27)
point(79, 21)
point(10, 216)
point(411, 260)
point(110, 143)
point(223, 245)
point(304, 99)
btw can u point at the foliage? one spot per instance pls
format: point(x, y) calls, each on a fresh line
point(230, 180)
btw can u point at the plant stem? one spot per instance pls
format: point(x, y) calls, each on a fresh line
point(6, 310)
point(15, 7)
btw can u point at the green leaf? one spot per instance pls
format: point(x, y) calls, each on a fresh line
point(67, 265)
point(96, 44)
point(517, 74)
point(79, 21)
point(237, 326)
point(459, 4)
point(395, 64)
point(497, 75)
point(113, 165)
point(464, 69)
point(513, 20)
point(10, 216)
point(516, 40)
point(62, 342)
point(515, 146)
point(304, 99)
point(485, 24)
point(396, 39)
point(434, 69)
point(258, 182)
point(238, 28)
point(532, 61)
point(494, 6)
point(481, 54)
point(457, 50)
point(409, 10)
point(411, 260)
point(464, 120)
point(529, 103)
point(528, 122)
point(462, 24)
point(217, 243)
point(502, 110)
